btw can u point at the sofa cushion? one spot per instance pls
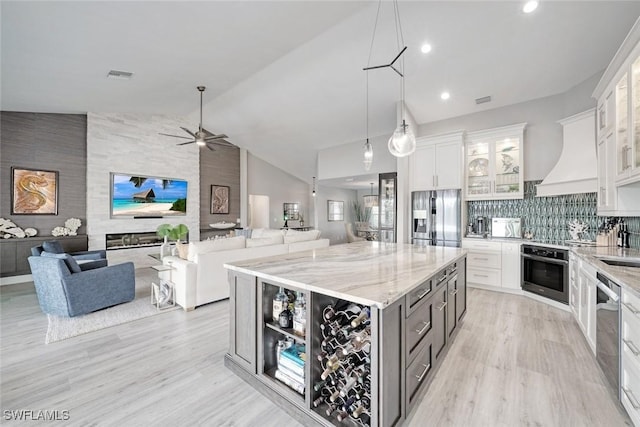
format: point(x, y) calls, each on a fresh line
point(52, 246)
point(206, 246)
point(71, 263)
point(301, 236)
point(266, 232)
point(265, 241)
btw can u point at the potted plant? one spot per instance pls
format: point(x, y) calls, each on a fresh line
point(171, 232)
point(361, 215)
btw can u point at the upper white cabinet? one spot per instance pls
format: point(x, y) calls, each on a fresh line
point(437, 163)
point(493, 163)
point(618, 126)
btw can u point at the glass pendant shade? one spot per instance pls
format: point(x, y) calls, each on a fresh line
point(403, 142)
point(368, 155)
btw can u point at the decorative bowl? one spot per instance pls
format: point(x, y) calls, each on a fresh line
point(223, 225)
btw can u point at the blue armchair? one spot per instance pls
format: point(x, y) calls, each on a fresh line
point(64, 290)
point(87, 260)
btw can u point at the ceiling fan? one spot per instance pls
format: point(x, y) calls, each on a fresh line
point(202, 137)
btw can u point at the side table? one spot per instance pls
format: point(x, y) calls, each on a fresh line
point(163, 292)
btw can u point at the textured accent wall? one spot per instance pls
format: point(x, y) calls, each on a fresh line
point(45, 141)
point(130, 144)
point(219, 167)
point(547, 217)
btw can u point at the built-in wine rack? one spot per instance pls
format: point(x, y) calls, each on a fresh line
point(342, 358)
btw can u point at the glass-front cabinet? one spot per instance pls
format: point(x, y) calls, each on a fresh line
point(635, 114)
point(627, 116)
point(622, 125)
point(493, 160)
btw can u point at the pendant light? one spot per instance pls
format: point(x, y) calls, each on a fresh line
point(402, 142)
point(313, 193)
point(368, 148)
point(370, 201)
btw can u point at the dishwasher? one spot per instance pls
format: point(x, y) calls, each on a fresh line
point(608, 320)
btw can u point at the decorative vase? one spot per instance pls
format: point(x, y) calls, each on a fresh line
point(165, 248)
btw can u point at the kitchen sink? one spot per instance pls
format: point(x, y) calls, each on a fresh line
point(620, 262)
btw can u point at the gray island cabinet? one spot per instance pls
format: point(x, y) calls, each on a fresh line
point(375, 321)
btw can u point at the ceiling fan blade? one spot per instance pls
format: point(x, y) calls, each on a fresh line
point(214, 137)
point(210, 146)
point(185, 143)
point(220, 142)
point(188, 131)
point(174, 136)
point(210, 134)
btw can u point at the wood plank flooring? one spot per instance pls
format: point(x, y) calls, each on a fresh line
point(515, 362)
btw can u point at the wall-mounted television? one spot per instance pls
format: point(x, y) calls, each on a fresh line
point(147, 196)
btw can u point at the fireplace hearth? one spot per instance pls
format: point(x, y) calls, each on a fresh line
point(132, 240)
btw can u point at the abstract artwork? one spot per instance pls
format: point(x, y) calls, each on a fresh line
point(34, 192)
point(219, 199)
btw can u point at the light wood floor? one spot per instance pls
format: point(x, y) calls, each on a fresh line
point(515, 362)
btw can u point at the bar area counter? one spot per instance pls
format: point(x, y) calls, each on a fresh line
point(346, 335)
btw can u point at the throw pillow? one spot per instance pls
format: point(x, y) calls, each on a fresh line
point(53, 246)
point(264, 241)
point(302, 236)
point(71, 263)
point(266, 232)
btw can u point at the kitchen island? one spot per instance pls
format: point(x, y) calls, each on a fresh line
point(377, 321)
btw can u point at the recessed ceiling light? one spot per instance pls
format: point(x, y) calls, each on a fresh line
point(426, 48)
point(445, 96)
point(530, 6)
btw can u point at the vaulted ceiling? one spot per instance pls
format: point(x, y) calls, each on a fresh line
point(285, 79)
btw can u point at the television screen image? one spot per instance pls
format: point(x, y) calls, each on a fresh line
point(147, 196)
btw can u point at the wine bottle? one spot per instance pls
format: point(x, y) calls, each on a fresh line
point(300, 315)
point(331, 309)
point(331, 409)
point(324, 394)
point(342, 415)
point(364, 314)
point(280, 301)
point(285, 319)
point(330, 369)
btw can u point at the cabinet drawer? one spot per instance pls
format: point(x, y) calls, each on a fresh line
point(419, 324)
point(630, 393)
point(631, 302)
point(482, 245)
point(483, 277)
point(418, 295)
point(417, 373)
point(484, 259)
point(630, 335)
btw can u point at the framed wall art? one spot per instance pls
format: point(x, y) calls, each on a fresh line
point(34, 192)
point(219, 199)
point(335, 210)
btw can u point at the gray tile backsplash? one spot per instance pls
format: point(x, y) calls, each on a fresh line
point(547, 217)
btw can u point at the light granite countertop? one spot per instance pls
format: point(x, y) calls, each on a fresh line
point(369, 273)
point(627, 277)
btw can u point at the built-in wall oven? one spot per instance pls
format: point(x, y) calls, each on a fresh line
point(545, 271)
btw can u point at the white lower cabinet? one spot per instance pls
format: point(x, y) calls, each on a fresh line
point(582, 297)
point(493, 264)
point(630, 335)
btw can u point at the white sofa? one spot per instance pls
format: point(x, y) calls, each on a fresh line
point(201, 278)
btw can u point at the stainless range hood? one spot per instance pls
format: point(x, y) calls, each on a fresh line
point(577, 168)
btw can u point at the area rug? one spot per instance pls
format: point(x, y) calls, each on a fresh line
point(60, 328)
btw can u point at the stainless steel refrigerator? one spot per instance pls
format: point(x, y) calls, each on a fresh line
point(436, 217)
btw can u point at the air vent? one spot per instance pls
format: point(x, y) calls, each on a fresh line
point(483, 100)
point(121, 75)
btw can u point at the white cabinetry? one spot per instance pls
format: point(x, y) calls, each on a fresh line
point(582, 297)
point(630, 335)
point(493, 264)
point(618, 127)
point(493, 163)
point(437, 163)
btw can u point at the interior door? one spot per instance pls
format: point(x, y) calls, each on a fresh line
point(387, 205)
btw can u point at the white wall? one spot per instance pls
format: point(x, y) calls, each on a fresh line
point(543, 135)
point(346, 160)
point(265, 179)
point(334, 230)
point(130, 144)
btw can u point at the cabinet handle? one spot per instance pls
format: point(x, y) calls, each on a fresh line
point(453, 292)
point(444, 304)
point(424, 294)
point(433, 180)
point(628, 157)
point(480, 275)
point(426, 369)
point(426, 326)
point(632, 347)
point(481, 259)
point(631, 397)
point(631, 307)
point(436, 180)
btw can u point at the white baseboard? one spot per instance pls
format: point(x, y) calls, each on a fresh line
point(12, 280)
